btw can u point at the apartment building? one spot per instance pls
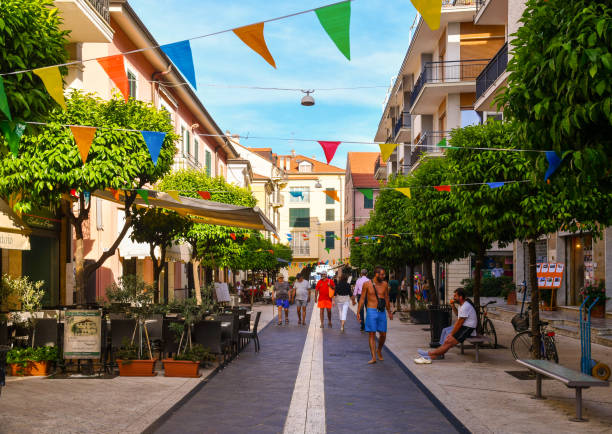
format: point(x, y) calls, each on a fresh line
point(360, 170)
point(435, 92)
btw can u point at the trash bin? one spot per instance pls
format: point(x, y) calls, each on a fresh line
point(3, 350)
point(440, 316)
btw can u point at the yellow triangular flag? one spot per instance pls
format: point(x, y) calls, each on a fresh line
point(253, 36)
point(431, 10)
point(405, 191)
point(83, 136)
point(52, 80)
point(174, 194)
point(333, 194)
point(386, 149)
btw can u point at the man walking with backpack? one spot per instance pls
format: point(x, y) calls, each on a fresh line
point(375, 297)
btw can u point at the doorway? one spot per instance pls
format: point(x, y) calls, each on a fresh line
point(41, 262)
point(581, 268)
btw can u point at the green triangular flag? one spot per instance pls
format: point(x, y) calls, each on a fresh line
point(4, 107)
point(336, 21)
point(367, 192)
point(327, 249)
point(442, 143)
point(144, 194)
point(12, 135)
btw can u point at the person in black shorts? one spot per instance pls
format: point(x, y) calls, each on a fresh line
point(466, 324)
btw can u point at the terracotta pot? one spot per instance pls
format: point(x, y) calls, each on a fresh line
point(38, 369)
point(598, 311)
point(181, 368)
point(511, 298)
point(17, 370)
point(136, 368)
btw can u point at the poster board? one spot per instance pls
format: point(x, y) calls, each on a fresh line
point(222, 291)
point(82, 334)
point(550, 276)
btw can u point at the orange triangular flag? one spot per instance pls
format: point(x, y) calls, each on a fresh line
point(115, 69)
point(83, 136)
point(333, 194)
point(115, 193)
point(253, 36)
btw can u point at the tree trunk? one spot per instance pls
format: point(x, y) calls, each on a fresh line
point(196, 280)
point(158, 266)
point(433, 292)
point(535, 300)
point(79, 259)
point(480, 257)
point(411, 290)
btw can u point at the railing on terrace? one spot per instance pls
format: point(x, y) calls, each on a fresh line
point(492, 71)
point(429, 143)
point(446, 72)
point(451, 3)
point(301, 250)
point(102, 6)
point(479, 4)
point(404, 121)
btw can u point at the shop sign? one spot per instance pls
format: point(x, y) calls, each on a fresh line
point(82, 334)
point(42, 219)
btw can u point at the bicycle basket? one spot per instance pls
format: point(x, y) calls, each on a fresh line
point(520, 322)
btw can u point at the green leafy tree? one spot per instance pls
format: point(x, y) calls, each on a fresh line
point(159, 228)
point(29, 38)
point(49, 164)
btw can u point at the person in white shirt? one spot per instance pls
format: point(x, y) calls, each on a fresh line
point(498, 271)
point(301, 296)
point(357, 294)
point(466, 324)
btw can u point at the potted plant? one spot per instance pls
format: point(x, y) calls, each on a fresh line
point(420, 314)
point(31, 361)
point(29, 295)
point(593, 292)
point(187, 363)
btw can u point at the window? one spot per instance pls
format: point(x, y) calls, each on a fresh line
point(304, 198)
point(368, 203)
point(330, 238)
point(305, 166)
point(470, 117)
point(208, 163)
point(183, 131)
point(300, 244)
point(299, 217)
point(329, 200)
point(188, 142)
point(330, 215)
point(196, 150)
point(132, 84)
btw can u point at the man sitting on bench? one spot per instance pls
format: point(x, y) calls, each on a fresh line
point(466, 324)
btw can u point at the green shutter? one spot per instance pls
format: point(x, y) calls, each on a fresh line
point(368, 203)
point(329, 239)
point(329, 200)
point(196, 151)
point(208, 163)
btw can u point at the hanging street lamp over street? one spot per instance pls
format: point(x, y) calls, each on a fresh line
point(308, 100)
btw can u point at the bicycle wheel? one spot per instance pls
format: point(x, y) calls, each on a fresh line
point(489, 331)
point(550, 349)
point(521, 345)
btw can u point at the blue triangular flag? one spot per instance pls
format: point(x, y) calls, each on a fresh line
point(495, 184)
point(297, 194)
point(180, 54)
point(554, 161)
point(154, 141)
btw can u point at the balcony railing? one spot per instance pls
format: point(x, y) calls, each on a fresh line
point(429, 143)
point(301, 250)
point(492, 71)
point(102, 6)
point(447, 71)
point(479, 4)
point(451, 3)
point(380, 170)
point(404, 121)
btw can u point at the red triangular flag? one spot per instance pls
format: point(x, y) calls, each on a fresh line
point(356, 239)
point(115, 69)
point(233, 236)
point(329, 148)
point(442, 187)
point(204, 194)
point(73, 192)
point(271, 251)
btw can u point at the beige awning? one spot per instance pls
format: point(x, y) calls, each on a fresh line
point(13, 232)
point(202, 211)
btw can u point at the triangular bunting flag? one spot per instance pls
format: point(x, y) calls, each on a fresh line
point(396, 235)
point(253, 36)
point(329, 148)
point(442, 187)
point(367, 192)
point(204, 195)
point(356, 239)
point(431, 10)
point(275, 236)
point(180, 54)
point(297, 194)
point(554, 161)
point(386, 149)
point(327, 262)
point(4, 107)
point(12, 135)
point(174, 194)
point(115, 193)
point(115, 69)
point(144, 194)
point(246, 236)
point(154, 141)
point(405, 191)
point(259, 250)
point(83, 136)
point(73, 192)
point(337, 237)
point(327, 249)
point(233, 236)
point(271, 252)
point(336, 20)
point(53, 82)
point(495, 184)
point(333, 194)
point(442, 143)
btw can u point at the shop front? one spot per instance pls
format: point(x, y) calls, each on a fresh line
point(586, 264)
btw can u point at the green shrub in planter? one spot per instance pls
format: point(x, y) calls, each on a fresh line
point(490, 286)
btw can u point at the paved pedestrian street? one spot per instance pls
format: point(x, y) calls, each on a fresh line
point(309, 380)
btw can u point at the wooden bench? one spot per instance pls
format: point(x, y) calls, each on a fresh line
point(569, 377)
point(477, 341)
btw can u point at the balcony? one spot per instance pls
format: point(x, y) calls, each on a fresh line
point(491, 12)
point(401, 129)
point(277, 202)
point(380, 170)
point(491, 79)
point(439, 79)
point(87, 20)
point(428, 145)
point(454, 3)
point(300, 250)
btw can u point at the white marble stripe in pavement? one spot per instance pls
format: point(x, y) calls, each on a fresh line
point(307, 409)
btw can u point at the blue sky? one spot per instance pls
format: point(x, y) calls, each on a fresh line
point(305, 58)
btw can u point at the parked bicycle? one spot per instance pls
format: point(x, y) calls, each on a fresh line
point(486, 325)
point(522, 344)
